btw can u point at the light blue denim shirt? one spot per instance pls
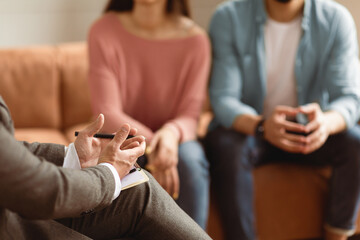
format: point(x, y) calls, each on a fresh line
point(326, 65)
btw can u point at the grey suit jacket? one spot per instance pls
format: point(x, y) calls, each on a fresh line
point(34, 189)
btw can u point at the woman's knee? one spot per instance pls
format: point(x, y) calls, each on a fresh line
point(192, 154)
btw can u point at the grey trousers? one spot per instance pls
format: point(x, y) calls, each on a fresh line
point(143, 212)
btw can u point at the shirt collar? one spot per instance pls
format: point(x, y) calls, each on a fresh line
point(306, 15)
point(261, 14)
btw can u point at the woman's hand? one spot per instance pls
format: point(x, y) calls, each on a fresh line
point(169, 180)
point(163, 159)
point(164, 153)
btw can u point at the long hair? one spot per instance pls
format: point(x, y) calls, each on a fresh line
point(181, 7)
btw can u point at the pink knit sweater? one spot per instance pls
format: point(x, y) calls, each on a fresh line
point(147, 83)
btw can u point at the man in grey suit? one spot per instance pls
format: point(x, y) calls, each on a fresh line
point(41, 199)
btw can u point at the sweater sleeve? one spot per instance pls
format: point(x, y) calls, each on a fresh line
point(104, 84)
point(194, 92)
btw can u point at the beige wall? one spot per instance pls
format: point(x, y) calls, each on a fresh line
point(354, 8)
point(203, 9)
point(33, 22)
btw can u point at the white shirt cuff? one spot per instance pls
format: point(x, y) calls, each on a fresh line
point(116, 177)
point(71, 159)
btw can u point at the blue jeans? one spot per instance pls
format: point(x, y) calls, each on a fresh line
point(233, 155)
point(193, 170)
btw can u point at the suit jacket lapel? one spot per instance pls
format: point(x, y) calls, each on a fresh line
point(5, 116)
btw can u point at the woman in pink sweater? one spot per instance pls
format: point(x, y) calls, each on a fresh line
point(149, 66)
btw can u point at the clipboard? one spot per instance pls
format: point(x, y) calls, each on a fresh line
point(133, 179)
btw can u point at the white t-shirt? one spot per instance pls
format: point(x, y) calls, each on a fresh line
point(281, 44)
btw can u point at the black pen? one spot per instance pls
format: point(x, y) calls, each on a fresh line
point(104, 135)
point(111, 136)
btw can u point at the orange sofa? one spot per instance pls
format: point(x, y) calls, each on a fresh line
point(46, 90)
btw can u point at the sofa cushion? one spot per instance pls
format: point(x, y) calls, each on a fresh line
point(29, 84)
point(287, 191)
point(289, 202)
point(73, 66)
point(42, 135)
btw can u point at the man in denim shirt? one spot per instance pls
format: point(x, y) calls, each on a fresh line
point(284, 86)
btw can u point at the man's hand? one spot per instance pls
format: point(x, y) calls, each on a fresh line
point(122, 153)
point(89, 148)
point(317, 127)
point(277, 129)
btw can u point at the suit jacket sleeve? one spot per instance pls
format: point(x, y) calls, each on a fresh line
point(38, 189)
point(54, 153)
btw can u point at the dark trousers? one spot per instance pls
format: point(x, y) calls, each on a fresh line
point(144, 212)
point(233, 155)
